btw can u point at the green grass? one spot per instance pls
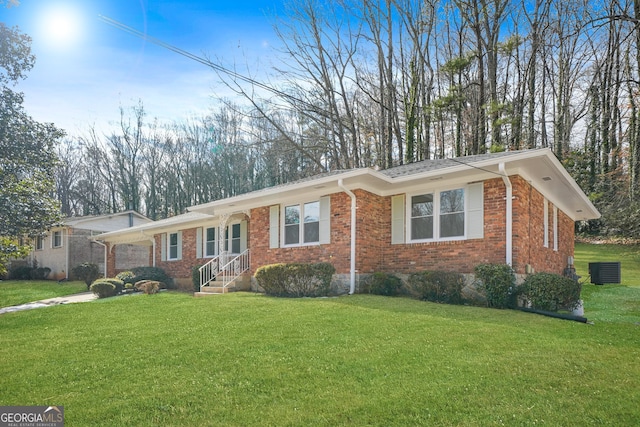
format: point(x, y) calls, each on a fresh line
point(611, 302)
point(245, 359)
point(16, 292)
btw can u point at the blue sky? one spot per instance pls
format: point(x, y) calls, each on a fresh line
point(81, 81)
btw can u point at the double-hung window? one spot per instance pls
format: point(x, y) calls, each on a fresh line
point(57, 239)
point(422, 217)
point(302, 223)
point(39, 243)
point(452, 213)
point(210, 242)
point(173, 246)
point(438, 215)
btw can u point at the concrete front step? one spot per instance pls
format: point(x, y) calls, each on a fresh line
point(214, 290)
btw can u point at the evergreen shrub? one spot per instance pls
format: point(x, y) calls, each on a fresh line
point(498, 282)
point(87, 272)
point(153, 273)
point(551, 292)
point(296, 280)
point(380, 283)
point(103, 288)
point(437, 286)
point(126, 276)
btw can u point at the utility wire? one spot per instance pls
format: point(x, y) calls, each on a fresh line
point(203, 61)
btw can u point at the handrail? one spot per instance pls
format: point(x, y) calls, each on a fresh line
point(227, 273)
point(234, 268)
point(209, 271)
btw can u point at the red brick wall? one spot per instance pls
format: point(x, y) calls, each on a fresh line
point(461, 256)
point(337, 253)
point(528, 230)
point(179, 269)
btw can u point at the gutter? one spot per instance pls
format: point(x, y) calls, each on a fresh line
point(509, 214)
point(352, 276)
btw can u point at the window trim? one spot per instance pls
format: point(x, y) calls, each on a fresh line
point(205, 242)
point(436, 192)
point(177, 246)
point(39, 243)
point(301, 224)
point(53, 239)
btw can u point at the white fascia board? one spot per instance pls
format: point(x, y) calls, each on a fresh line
point(144, 232)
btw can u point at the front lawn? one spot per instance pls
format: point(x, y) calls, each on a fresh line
point(245, 359)
point(16, 292)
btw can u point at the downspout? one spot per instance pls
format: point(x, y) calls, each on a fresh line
point(352, 277)
point(509, 214)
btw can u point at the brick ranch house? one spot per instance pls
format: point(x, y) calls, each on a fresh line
point(517, 208)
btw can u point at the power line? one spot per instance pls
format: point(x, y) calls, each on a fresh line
point(203, 61)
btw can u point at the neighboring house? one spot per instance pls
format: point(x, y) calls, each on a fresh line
point(72, 243)
point(517, 208)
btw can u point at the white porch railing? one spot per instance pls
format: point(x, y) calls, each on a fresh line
point(224, 269)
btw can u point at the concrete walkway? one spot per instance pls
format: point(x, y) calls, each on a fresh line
point(68, 299)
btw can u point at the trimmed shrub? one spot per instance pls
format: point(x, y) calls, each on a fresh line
point(437, 286)
point(382, 284)
point(117, 283)
point(87, 272)
point(498, 282)
point(21, 272)
point(103, 288)
point(126, 277)
point(148, 286)
point(195, 277)
point(551, 292)
point(296, 280)
point(153, 273)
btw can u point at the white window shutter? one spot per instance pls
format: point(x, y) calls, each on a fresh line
point(555, 228)
point(274, 221)
point(397, 219)
point(199, 242)
point(325, 220)
point(243, 236)
point(163, 247)
point(545, 215)
point(179, 244)
point(475, 211)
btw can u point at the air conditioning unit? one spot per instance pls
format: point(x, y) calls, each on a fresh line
point(604, 272)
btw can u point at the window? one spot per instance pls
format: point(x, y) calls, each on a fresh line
point(422, 217)
point(450, 219)
point(308, 228)
point(452, 213)
point(39, 243)
point(235, 239)
point(173, 246)
point(57, 239)
point(210, 242)
point(292, 225)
